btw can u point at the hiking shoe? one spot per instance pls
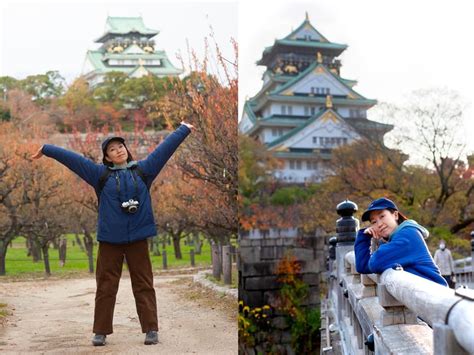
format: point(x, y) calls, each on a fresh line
point(98, 340)
point(151, 337)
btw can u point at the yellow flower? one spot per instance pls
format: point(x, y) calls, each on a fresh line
point(266, 307)
point(258, 309)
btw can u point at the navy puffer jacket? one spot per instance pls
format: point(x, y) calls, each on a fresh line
point(114, 225)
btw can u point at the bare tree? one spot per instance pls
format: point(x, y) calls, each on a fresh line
point(429, 127)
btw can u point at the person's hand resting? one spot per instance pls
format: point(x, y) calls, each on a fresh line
point(374, 233)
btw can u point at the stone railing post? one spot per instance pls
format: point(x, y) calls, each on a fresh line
point(346, 231)
point(216, 261)
point(165, 260)
point(394, 311)
point(191, 257)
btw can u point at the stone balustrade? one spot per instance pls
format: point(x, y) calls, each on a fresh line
point(401, 312)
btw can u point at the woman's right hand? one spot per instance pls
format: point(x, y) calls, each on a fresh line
point(38, 154)
point(373, 232)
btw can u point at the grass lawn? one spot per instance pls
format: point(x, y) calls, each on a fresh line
point(17, 261)
point(235, 278)
point(3, 310)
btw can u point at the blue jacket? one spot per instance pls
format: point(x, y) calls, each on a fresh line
point(114, 225)
point(405, 247)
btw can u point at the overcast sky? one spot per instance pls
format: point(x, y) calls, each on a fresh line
point(37, 36)
point(395, 47)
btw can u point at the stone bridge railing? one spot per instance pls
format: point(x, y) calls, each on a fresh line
point(463, 269)
point(392, 313)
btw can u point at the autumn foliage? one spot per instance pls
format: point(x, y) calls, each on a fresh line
point(196, 192)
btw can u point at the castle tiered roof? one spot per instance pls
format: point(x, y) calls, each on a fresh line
point(127, 47)
point(116, 26)
point(305, 107)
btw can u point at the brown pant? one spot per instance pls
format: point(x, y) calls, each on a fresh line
point(108, 273)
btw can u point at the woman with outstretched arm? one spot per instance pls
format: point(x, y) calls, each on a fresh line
point(125, 222)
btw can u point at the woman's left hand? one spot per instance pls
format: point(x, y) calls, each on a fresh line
point(190, 126)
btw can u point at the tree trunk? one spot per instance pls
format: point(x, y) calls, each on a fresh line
point(56, 245)
point(78, 240)
point(197, 243)
point(89, 244)
point(35, 250)
point(177, 246)
point(3, 255)
point(45, 250)
point(156, 247)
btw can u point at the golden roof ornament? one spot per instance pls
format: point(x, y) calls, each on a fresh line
point(290, 69)
point(319, 57)
point(307, 17)
point(328, 101)
point(118, 49)
point(148, 49)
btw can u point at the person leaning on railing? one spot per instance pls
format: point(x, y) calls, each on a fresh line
point(401, 243)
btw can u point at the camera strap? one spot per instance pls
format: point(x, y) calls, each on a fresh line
point(135, 183)
point(107, 172)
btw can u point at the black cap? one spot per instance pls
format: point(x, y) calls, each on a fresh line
point(379, 204)
point(110, 139)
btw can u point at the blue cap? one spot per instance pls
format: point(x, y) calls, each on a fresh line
point(110, 139)
point(379, 204)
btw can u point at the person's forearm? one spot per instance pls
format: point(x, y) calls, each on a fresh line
point(83, 167)
point(153, 164)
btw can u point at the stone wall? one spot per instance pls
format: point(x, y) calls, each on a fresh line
point(258, 284)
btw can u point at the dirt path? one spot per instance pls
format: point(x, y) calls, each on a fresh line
point(55, 317)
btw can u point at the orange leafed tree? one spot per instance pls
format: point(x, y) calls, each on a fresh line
point(209, 102)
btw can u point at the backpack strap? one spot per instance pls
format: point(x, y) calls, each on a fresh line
point(102, 180)
point(140, 173)
point(107, 172)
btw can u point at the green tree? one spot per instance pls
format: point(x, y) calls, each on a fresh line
point(43, 87)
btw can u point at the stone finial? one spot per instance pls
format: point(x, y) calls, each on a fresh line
point(346, 226)
point(346, 208)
